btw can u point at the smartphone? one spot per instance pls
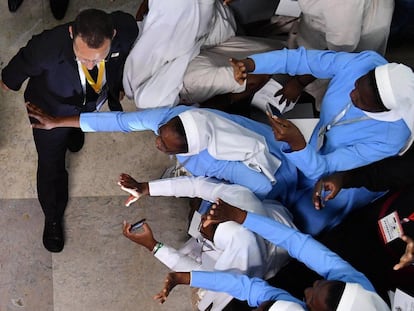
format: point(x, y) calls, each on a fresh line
point(272, 110)
point(322, 196)
point(137, 225)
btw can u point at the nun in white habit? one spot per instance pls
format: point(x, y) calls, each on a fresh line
point(227, 140)
point(170, 36)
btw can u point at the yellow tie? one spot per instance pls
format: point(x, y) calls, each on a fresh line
point(96, 85)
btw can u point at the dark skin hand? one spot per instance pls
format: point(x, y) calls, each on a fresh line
point(142, 10)
point(293, 88)
point(172, 280)
point(331, 185)
point(284, 130)
point(134, 188)
point(241, 68)
point(48, 122)
point(408, 257)
point(208, 231)
point(222, 212)
point(290, 92)
point(144, 237)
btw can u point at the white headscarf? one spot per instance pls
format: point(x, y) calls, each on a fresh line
point(226, 140)
point(395, 84)
point(356, 298)
point(283, 305)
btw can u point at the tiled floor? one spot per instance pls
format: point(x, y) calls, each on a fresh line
point(99, 269)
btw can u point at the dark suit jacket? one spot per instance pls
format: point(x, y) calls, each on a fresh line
point(49, 62)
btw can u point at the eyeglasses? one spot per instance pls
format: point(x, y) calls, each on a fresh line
point(90, 61)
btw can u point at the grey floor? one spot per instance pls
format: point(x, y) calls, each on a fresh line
point(98, 269)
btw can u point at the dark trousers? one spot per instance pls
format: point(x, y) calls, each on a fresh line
point(52, 177)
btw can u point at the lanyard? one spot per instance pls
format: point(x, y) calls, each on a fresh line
point(85, 76)
point(336, 122)
point(96, 85)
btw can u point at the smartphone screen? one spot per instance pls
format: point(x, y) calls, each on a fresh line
point(272, 110)
point(137, 225)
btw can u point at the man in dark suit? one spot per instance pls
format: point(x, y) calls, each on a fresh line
point(71, 69)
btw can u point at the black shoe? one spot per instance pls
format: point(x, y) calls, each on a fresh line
point(14, 5)
point(58, 8)
point(53, 236)
point(76, 140)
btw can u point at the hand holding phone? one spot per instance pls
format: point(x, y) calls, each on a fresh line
point(272, 110)
point(137, 225)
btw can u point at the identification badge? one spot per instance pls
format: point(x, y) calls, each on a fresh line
point(321, 138)
point(195, 225)
point(390, 227)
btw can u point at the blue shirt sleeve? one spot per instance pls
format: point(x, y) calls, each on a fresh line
point(149, 119)
point(235, 172)
point(314, 165)
point(253, 290)
point(307, 250)
point(321, 64)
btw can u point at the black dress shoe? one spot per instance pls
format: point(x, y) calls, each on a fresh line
point(53, 236)
point(58, 8)
point(76, 140)
point(14, 5)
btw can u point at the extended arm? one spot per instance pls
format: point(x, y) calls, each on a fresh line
point(300, 246)
point(169, 256)
point(150, 119)
point(208, 189)
point(314, 165)
point(390, 173)
point(47, 122)
point(234, 172)
point(254, 290)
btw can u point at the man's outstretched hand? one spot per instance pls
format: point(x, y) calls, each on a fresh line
point(134, 188)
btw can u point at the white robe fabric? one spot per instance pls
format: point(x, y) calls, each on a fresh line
point(350, 26)
point(210, 73)
point(171, 36)
point(347, 26)
point(227, 140)
point(235, 248)
point(395, 84)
